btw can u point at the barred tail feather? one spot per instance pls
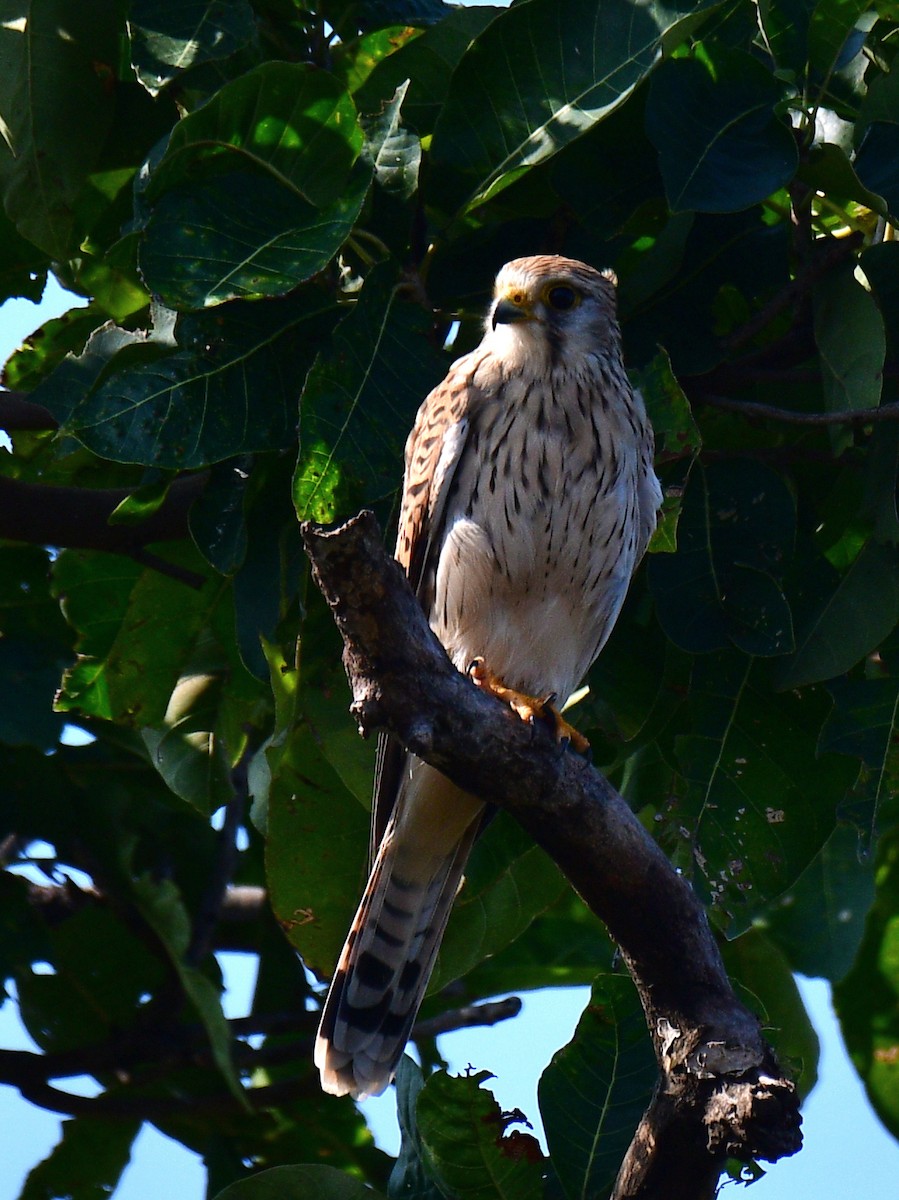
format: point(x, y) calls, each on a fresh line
point(384, 969)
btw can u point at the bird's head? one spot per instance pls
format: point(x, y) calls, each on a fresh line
point(553, 306)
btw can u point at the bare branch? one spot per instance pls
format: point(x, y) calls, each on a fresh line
point(78, 518)
point(847, 416)
point(721, 1090)
point(467, 1017)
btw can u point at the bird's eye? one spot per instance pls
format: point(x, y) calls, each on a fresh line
point(561, 297)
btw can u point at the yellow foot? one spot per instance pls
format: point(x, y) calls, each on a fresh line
point(529, 708)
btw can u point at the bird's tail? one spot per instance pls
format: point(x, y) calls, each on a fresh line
point(383, 971)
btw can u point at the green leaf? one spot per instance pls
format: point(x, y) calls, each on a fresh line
point(409, 1179)
point(831, 23)
point(851, 341)
point(167, 38)
point(286, 120)
point(229, 388)
point(785, 27)
point(876, 162)
point(239, 236)
point(537, 78)
point(23, 268)
point(712, 119)
point(393, 152)
point(307, 1182)
point(850, 623)
point(316, 848)
point(760, 801)
point(735, 537)
point(184, 748)
point(469, 1148)
point(757, 964)
point(162, 907)
point(508, 884)
point(427, 62)
point(40, 353)
point(819, 922)
point(360, 400)
point(352, 62)
point(596, 1088)
point(827, 169)
point(137, 631)
point(863, 724)
point(28, 683)
point(867, 1000)
point(86, 1164)
point(58, 66)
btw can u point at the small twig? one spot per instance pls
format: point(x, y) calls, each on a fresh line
point(467, 1017)
point(797, 288)
point(848, 416)
point(146, 558)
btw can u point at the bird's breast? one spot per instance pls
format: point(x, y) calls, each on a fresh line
point(538, 542)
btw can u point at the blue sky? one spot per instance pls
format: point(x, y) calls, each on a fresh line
point(847, 1151)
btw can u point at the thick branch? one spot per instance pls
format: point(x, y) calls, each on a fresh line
point(721, 1090)
point(49, 515)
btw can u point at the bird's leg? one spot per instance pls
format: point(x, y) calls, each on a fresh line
point(529, 708)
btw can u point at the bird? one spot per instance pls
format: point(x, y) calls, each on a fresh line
point(528, 500)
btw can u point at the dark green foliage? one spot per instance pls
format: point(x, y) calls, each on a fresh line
point(278, 213)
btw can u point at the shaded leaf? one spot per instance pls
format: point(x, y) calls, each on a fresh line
point(712, 119)
point(509, 882)
point(757, 964)
point(427, 62)
point(850, 337)
point(851, 622)
point(138, 630)
point(469, 1147)
point(316, 848)
point(306, 1182)
point(229, 388)
point(866, 999)
point(409, 1179)
point(760, 801)
point(735, 537)
point(86, 1164)
point(57, 78)
point(162, 907)
point(596, 1088)
point(863, 724)
point(537, 78)
point(360, 400)
point(819, 921)
point(241, 237)
point(167, 38)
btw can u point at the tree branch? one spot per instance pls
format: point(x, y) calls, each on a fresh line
point(848, 416)
point(721, 1091)
point(78, 518)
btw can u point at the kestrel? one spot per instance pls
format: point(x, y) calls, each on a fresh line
point(528, 500)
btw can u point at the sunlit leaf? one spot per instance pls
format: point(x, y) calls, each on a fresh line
point(469, 1145)
point(537, 78)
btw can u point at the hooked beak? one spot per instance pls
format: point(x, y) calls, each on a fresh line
point(507, 313)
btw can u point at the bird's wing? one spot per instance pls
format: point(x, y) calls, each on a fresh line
point(433, 450)
point(649, 490)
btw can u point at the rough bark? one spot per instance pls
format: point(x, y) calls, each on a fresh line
point(721, 1091)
